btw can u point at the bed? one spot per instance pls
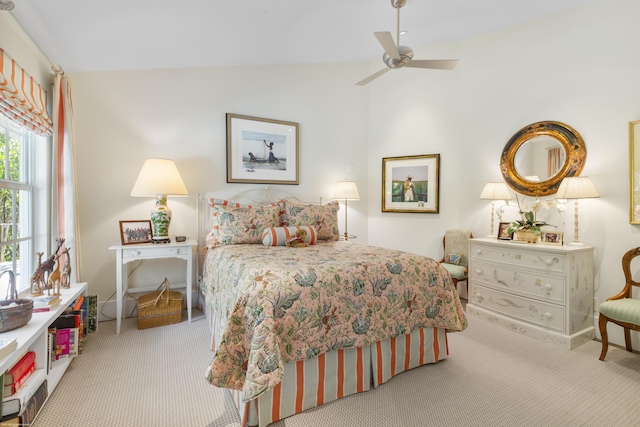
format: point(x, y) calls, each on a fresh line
point(294, 328)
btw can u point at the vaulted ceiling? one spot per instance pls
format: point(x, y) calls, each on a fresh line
point(91, 35)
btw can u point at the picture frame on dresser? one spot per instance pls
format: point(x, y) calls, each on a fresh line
point(551, 238)
point(411, 183)
point(503, 231)
point(136, 231)
point(261, 151)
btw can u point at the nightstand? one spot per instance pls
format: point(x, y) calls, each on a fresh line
point(137, 252)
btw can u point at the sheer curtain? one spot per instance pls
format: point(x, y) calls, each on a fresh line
point(64, 209)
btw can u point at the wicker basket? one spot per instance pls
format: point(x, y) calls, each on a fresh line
point(160, 308)
point(17, 315)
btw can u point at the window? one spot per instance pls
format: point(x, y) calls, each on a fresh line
point(17, 153)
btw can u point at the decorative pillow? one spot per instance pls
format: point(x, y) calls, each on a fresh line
point(277, 236)
point(244, 225)
point(453, 259)
point(212, 237)
point(323, 218)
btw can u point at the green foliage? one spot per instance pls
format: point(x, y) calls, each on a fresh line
point(9, 156)
point(528, 221)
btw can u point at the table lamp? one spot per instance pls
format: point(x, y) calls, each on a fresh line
point(495, 191)
point(576, 188)
point(346, 190)
point(159, 178)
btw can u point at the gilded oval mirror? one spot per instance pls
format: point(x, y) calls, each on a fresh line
point(539, 156)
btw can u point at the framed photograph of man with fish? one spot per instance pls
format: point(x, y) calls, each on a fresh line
point(410, 183)
point(261, 151)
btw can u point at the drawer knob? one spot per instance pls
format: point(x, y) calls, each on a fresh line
point(548, 286)
point(479, 272)
point(548, 261)
point(547, 316)
point(478, 251)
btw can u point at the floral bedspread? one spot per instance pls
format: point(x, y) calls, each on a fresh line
point(285, 304)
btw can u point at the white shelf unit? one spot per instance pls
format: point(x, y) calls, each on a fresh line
point(33, 337)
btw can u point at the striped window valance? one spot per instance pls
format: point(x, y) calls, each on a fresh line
point(22, 99)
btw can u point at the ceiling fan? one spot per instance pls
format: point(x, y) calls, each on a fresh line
point(402, 56)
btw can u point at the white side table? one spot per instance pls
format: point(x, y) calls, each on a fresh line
point(136, 252)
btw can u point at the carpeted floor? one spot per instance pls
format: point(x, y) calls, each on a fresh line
point(493, 377)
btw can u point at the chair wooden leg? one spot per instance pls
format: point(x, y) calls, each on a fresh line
point(627, 338)
point(602, 322)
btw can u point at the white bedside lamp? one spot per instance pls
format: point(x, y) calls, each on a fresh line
point(346, 190)
point(159, 178)
point(495, 191)
point(576, 188)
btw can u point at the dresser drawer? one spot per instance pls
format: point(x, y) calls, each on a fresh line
point(527, 283)
point(518, 256)
point(543, 314)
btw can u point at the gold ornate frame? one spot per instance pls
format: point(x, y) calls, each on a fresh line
point(571, 141)
point(634, 172)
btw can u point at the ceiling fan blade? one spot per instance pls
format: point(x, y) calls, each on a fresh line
point(386, 40)
point(439, 64)
point(372, 77)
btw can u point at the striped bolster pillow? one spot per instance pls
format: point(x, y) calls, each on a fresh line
point(277, 236)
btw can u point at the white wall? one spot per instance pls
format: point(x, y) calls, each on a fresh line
point(580, 67)
point(123, 118)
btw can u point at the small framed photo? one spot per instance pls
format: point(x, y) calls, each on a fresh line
point(261, 151)
point(136, 231)
point(503, 231)
point(411, 183)
point(551, 238)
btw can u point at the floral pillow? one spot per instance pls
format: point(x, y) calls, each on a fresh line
point(323, 218)
point(244, 225)
point(212, 237)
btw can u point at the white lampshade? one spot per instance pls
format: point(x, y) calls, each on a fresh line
point(577, 187)
point(159, 177)
point(495, 191)
point(346, 190)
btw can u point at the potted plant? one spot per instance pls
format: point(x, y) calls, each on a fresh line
point(528, 228)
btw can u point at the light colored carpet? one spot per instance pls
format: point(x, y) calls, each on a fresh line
point(493, 377)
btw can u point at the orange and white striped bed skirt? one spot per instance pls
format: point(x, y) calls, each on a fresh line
point(331, 376)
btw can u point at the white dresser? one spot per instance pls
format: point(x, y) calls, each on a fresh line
point(541, 291)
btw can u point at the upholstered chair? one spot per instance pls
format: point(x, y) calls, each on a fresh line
point(621, 309)
point(456, 254)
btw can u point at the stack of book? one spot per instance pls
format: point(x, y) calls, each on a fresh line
point(24, 391)
point(21, 408)
point(45, 303)
point(17, 375)
point(7, 346)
